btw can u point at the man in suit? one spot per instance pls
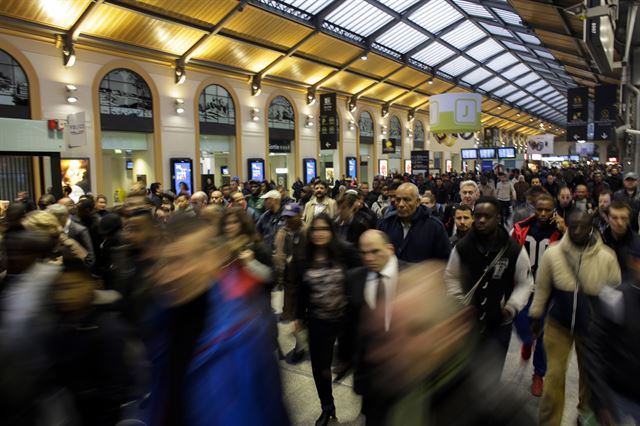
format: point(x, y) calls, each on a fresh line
point(74, 230)
point(372, 289)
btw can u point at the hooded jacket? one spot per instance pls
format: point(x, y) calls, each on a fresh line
point(568, 293)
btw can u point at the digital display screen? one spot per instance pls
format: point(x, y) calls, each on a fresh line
point(351, 167)
point(182, 172)
point(310, 171)
point(257, 170)
point(129, 165)
point(469, 154)
point(487, 152)
point(224, 170)
point(506, 153)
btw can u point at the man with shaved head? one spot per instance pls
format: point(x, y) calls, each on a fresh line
point(415, 234)
point(198, 201)
point(372, 290)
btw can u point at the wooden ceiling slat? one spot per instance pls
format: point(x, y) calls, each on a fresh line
point(297, 69)
point(348, 83)
point(240, 55)
point(385, 92)
point(208, 12)
point(329, 49)
point(57, 13)
point(409, 77)
point(375, 66)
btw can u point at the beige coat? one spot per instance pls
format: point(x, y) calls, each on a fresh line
point(330, 208)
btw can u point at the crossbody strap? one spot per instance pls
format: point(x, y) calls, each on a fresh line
point(469, 296)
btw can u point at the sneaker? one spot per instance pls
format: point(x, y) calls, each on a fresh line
point(525, 352)
point(537, 385)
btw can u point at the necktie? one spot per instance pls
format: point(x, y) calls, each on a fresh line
point(381, 302)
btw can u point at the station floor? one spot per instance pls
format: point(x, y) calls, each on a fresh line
point(304, 406)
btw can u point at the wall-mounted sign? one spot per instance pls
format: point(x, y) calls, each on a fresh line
point(76, 174)
point(388, 146)
point(76, 129)
point(540, 144)
point(605, 112)
point(352, 167)
point(256, 169)
point(279, 146)
point(328, 121)
point(455, 112)
point(584, 149)
point(577, 113)
point(181, 172)
point(420, 160)
point(310, 169)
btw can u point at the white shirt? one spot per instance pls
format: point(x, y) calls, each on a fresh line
point(390, 279)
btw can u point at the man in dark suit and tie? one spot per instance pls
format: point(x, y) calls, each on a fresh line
point(372, 290)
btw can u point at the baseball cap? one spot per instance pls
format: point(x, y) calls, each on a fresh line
point(630, 175)
point(272, 194)
point(291, 209)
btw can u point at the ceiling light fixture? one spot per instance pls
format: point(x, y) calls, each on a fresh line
point(518, 115)
point(255, 114)
point(311, 96)
point(411, 115)
point(499, 107)
point(430, 81)
point(353, 103)
point(385, 110)
point(309, 121)
point(383, 129)
point(364, 56)
point(68, 54)
point(256, 85)
point(179, 105)
point(180, 73)
point(71, 93)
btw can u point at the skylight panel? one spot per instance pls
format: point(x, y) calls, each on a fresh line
point(495, 30)
point(529, 59)
point(528, 38)
point(545, 91)
point(402, 38)
point(524, 101)
point(399, 5)
point(514, 97)
point(463, 35)
point(516, 71)
point(476, 76)
point(474, 9)
point(502, 61)
point(433, 54)
point(508, 89)
point(486, 49)
point(535, 86)
point(309, 6)
point(435, 15)
point(457, 66)
point(522, 81)
point(359, 17)
point(515, 46)
point(508, 17)
point(492, 84)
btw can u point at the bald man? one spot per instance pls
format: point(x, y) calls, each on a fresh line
point(198, 201)
point(415, 234)
point(372, 290)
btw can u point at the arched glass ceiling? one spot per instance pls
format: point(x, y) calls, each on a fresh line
point(479, 44)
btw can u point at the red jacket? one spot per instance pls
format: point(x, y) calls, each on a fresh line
point(521, 229)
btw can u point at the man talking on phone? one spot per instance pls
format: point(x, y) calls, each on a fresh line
point(535, 234)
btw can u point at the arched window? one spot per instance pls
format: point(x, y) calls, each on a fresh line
point(366, 128)
point(14, 88)
point(418, 135)
point(282, 125)
point(216, 111)
point(125, 102)
point(395, 136)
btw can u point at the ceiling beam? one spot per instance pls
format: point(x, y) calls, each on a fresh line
point(379, 81)
point(293, 49)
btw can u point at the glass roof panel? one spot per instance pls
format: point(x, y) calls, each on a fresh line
point(496, 30)
point(476, 76)
point(528, 38)
point(398, 5)
point(509, 88)
point(525, 100)
point(310, 6)
point(492, 84)
point(457, 66)
point(435, 15)
point(544, 91)
point(463, 35)
point(514, 97)
point(522, 81)
point(508, 17)
point(515, 46)
point(502, 61)
point(515, 71)
point(433, 54)
point(359, 17)
point(530, 59)
point(474, 9)
point(538, 85)
point(486, 49)
point(401, 38)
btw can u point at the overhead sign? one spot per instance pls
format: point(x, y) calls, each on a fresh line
point(540, 144)
point(585, 149)
point(279, 146)
point(328, 121)
point(605, 112)
point(577, 114)
point(420, 160)
point(455, 112)
point(388, 146)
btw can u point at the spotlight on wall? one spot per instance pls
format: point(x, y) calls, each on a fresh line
point(411, 115)
point(179, 106)
point(255, 114)
point(311, 96)
point(256, 85)
point(309, 121)
point(385, 110)
point(383, 129)
point(180, 74)
point(71, 93)
point(68, 54)
point(352, 125)
point(353, 103)
point(410, 133)
point(364, 56)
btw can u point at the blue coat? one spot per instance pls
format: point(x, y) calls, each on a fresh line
point(427, 238)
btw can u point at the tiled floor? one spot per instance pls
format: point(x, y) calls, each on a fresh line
point(304, 406)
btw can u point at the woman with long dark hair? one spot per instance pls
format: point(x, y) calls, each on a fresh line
point(321, 272)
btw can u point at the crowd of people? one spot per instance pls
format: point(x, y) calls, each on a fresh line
point(160, 308)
